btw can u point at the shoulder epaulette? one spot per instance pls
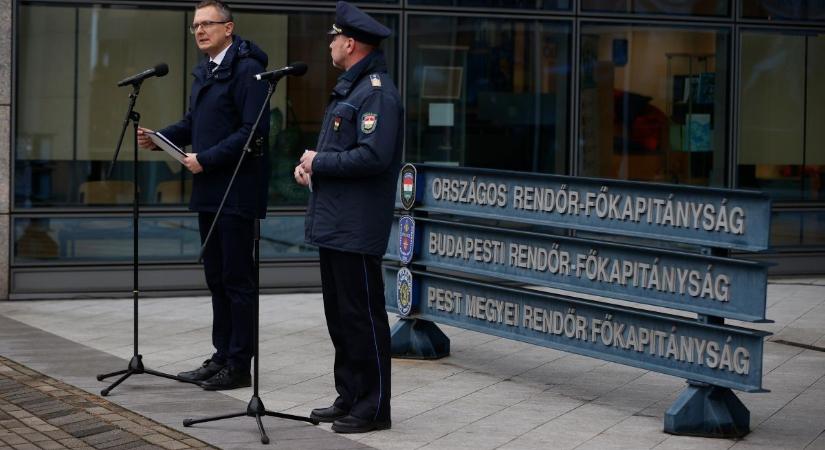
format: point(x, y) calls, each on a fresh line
point(375, 80)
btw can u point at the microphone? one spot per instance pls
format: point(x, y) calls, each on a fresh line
point(297, 69)
point(157, 71)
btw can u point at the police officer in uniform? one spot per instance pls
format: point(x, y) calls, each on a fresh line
point(353, 175)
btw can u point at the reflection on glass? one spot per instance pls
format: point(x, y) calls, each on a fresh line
point(784, 9)
point(71, 60)
point(554, 5)
point(358, 1)
point(73, 111)
point(791, 229)
point(162, 239)
point(654, 104)
point(488, 93)
point(782, 104)
point(684, 7)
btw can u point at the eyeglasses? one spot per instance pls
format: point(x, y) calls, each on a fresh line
point(206, 24)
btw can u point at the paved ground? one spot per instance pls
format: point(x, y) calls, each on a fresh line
point(39, 412)
point(490, 393)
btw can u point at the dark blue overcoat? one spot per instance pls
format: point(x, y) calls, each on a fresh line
point(222, 109)
point(355, 172)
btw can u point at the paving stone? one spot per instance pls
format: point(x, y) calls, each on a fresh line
point(106, 436)
point(128, 440)
point(156, 438)
point(57, 434)
point(80, 425)
point(26, 447)
point(83, 432)
point(173, 445)
point(73, 443)
point(123, 444)
point(51, 445)
point(70, 418)
point(14, 440)
point(35, 436)
point(33, 421)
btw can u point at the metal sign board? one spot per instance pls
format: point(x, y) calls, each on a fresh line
point(718, 354)
point(709, 217)
point(708, 285)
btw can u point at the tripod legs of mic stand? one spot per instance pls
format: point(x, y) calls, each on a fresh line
point(255, 409)
point(136, 368)
point(136, 363)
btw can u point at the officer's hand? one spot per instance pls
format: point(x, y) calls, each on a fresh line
point(191, 163)
point(306, 160)
point(143, 139)
point(300, 176)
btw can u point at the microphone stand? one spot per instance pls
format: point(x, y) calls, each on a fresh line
point(135, 366)
point(256, 407)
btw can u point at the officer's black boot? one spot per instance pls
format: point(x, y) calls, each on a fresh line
point(328, 414)
point(352, 424)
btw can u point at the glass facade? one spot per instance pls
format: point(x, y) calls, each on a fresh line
point(783, 107)
point(709, 93)
point(680, 7)
point(478, 87)
point(797, 10)
point(653, 103)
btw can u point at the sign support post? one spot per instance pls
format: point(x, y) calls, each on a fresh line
point(412, 338)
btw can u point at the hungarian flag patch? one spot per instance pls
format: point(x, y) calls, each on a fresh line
point(369, 122)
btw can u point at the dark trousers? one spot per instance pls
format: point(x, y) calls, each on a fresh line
point(353, 291)
point(229, 268)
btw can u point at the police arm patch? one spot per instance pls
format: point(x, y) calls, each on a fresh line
point(369, 122)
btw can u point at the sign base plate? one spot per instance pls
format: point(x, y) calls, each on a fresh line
point(707, 411)
point(418, 339)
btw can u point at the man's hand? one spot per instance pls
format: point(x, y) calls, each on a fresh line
point(191, 163)
point(301, 177)
point(143, 139)
point(306, 161)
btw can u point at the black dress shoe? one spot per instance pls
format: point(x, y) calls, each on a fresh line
point(330, 414)
point(206, 371)
point(228, 378)
point(352, 424)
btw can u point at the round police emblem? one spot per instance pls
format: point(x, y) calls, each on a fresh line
point(369, 122)
point(404, 288)
point(406, 238)
point(408, 175)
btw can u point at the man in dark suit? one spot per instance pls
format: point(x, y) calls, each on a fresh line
point(353, 176)
point(223, 105)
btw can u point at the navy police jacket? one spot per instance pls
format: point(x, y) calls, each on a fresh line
point(222, 109)
point(355, 173)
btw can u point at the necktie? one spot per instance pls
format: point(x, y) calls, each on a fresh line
point(210, 68)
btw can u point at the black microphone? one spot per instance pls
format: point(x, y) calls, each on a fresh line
point(297, 69)
point(157, 71)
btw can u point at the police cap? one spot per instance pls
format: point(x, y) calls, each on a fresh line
point(352, 22)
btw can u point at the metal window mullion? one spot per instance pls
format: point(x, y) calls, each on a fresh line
point(735, 98)
point(574, 142)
